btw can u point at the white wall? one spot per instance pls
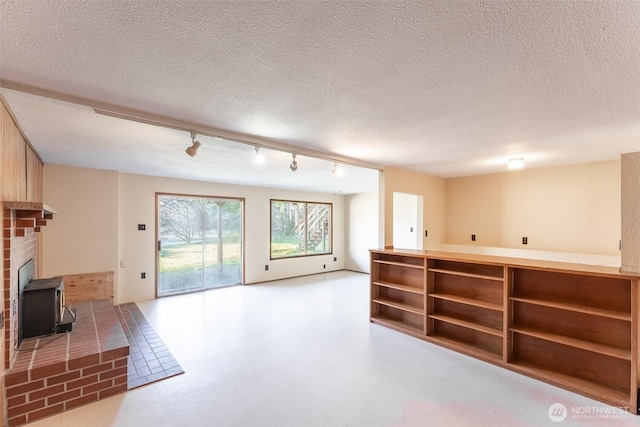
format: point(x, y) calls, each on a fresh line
point(361, 219)
point(99, 213)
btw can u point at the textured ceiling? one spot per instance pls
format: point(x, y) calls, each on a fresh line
point(448, 88)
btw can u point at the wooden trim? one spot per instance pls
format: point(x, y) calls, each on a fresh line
point(30, 206)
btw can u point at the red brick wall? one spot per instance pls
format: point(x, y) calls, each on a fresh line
point(56, 388)
point(17, 251)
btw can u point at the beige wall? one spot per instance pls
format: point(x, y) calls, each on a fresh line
point(631, 212)
point(137, 248)
point(99, 211)
point(433, 191)
point(566, 209)
point(83, 237)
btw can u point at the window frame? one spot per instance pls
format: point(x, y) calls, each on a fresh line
point(330, 230)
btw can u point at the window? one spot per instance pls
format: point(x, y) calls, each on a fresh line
point(300, 228)
point(199, 243)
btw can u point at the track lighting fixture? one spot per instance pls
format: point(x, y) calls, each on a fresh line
point(294, 164)
point(258, 158)
point(179, 125)
point(193, 150)
point(337, 169)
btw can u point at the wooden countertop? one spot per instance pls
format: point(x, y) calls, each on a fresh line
point(536, 264)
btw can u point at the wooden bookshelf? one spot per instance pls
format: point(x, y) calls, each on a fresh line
point(398, 292)
point(570, 325)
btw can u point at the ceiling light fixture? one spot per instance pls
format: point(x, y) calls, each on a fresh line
point(193, 150)
point(258, 158)
point(516, 163)
point(337, 169)
point(294, 165)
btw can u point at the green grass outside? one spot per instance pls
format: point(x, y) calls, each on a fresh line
point(280, 250)
point(189, 257)
point(283, 250)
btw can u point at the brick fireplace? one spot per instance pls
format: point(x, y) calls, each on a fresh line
point(53, 373)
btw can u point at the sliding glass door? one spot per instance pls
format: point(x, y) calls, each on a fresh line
point(199, 243)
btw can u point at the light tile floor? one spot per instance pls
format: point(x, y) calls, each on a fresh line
point(301, 352)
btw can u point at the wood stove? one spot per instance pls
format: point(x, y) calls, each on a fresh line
point(41, 309)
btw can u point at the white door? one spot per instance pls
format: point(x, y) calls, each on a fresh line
point(407, 221)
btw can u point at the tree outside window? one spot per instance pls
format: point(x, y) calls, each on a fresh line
point(300, 228)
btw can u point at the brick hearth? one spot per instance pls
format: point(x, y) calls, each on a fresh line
point(55, 373)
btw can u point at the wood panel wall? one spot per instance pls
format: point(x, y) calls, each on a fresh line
point(14, 164)
point(22, 168)
point(34, 176)
point(88, 287)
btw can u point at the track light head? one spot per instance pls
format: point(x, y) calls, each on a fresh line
point(294, 165)
point(337, 170)
point(258, 158)
point(193, 150)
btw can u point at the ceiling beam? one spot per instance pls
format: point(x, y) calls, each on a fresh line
point(184, 125)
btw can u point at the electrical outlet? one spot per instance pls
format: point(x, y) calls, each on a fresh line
point(142, 227)
point(266, 267)
point(143, 275)
point(473, 237)
point(525, 240)
point(426, 233)
point(335, 258)
point(324, 265)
